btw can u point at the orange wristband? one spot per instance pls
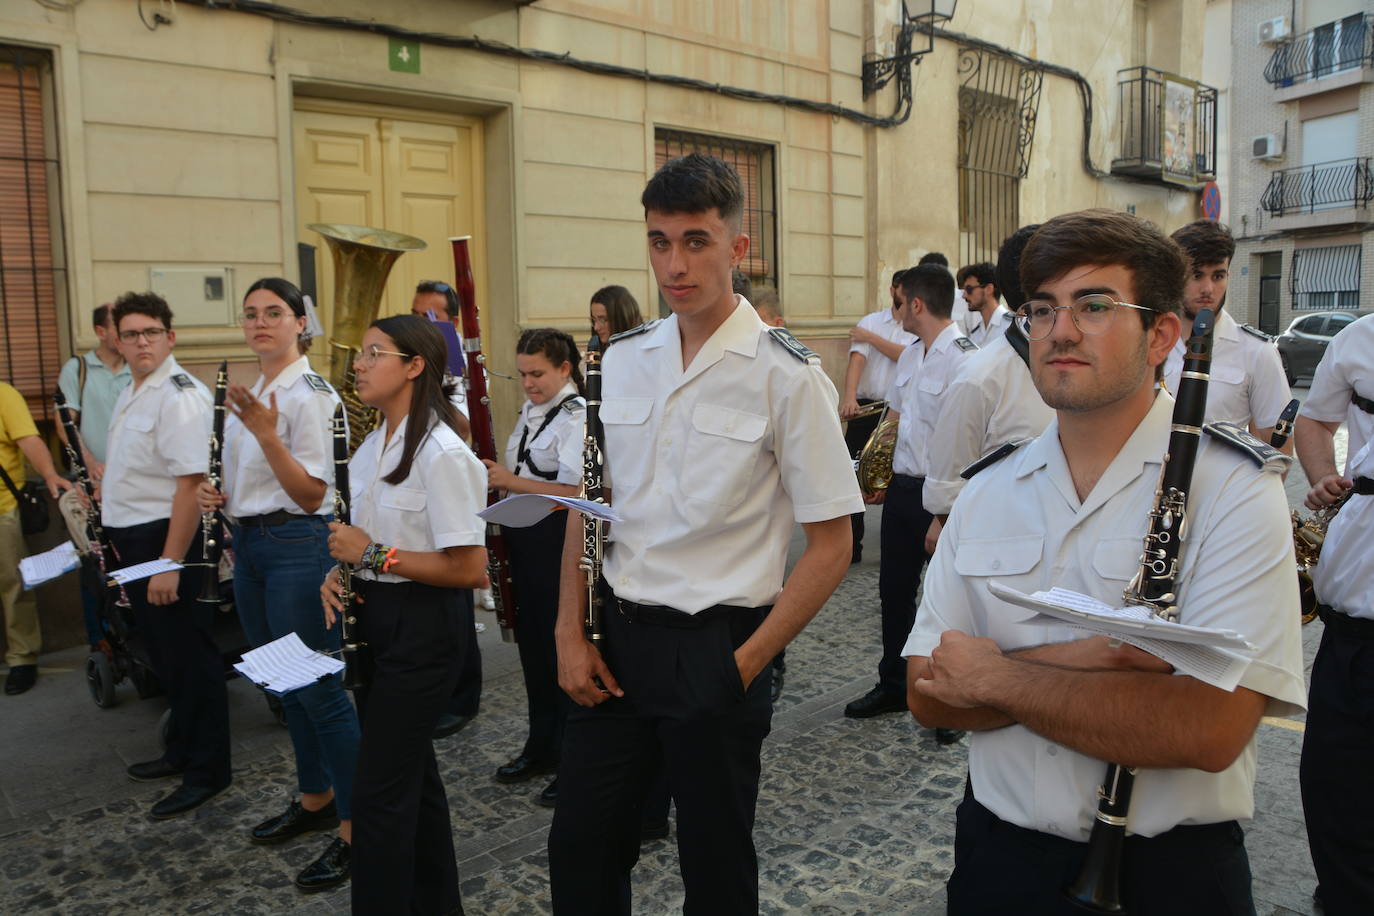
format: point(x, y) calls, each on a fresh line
point(390, 559)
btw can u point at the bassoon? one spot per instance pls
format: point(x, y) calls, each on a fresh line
point(355, 653)
point(100, 544)
point(1098, 885)
point(212, 522)
point(593, 529)
point(483, 435)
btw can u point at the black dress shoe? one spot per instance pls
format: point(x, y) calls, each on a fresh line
point(449, 724)
point(948, 735)
point(330, 870)
point(22, 678)
point(185, 798)
point(153, 770)
point(523, 768)
point(874, 703)
point(775, 689)
point(293, 822)
point(549, 797)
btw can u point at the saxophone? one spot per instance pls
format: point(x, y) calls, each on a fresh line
point(1308, 536)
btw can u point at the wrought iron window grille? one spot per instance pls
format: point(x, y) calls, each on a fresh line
point(1320, 186)
point(1333, 47)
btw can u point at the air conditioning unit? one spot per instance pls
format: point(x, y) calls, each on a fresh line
point(1266, 147)
point(1273, 31)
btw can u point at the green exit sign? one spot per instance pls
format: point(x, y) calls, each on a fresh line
point(403, 56)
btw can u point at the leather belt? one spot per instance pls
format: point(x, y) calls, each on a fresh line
point(270, 520)
point(1354, 627)
point(660, 616)
point(906, 482)
point(1364, 486)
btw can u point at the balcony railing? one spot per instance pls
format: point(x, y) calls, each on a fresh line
point(1330, 48)
point(1168, 127)
point(1323, 186)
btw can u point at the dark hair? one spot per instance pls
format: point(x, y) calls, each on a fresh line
point(1009, 266)
point(984, 272)
point(695, 184)
point(415, 336)
point(150, 304)
point(1205, 241)
point(740, 284)
point(622, 311)
point(933, 257)
point(289, 293)
point(897, 277)
point(765, 297)
point(100, 314)
point(557, 347)
point(1103, 238)
point(451, 303)
point(933, 285)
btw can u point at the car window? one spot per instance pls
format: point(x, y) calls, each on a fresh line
point(1310, 325)
point(1337, 322)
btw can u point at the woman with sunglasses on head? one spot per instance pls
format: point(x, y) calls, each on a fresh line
point(278, 495)
point(415, 542)
point(543, 455)
point(613, 310)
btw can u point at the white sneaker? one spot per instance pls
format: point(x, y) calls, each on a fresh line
point(484, 598)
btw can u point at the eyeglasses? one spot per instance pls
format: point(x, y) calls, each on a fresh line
point(271, 317)
point(969, 289)
point(152, 335)
point(369, 356)
point(1091, 315)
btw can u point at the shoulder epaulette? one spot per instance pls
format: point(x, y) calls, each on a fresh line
point(316, 382)
point(992, 458)
point(963, 343)
point(645, 327)
point(1265, 457)
point(577, 403)
point(798, 349)
point(183, 381)
point(1256, 332)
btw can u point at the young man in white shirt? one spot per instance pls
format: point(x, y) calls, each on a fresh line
point(987, 318)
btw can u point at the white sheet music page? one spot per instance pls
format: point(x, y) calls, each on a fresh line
point(143, 570)
point(525, 509)
point(1214, 656)
point(286, 664)
point(48, 565)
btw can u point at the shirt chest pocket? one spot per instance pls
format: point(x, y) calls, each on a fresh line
point(931, 384)
point(403, 499)
point(999, 558)
point(1118, 558)
point(629, 451)
point(721, 455)
point(1227, 375)
point(139, 423)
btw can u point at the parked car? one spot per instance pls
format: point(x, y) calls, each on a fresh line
point(1302, 345)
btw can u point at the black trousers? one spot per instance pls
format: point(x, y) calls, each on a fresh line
point(683, 705)
point(403, 860)
point(184, 656)
point(1337, 759)
point(536, 555)
point(856, 433)
point(467, 696)
point(905, 522)
point(1187, 871)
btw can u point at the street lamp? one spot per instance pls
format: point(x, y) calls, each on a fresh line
point(877, 72)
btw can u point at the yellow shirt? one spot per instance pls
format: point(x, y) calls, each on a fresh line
point(15, 424)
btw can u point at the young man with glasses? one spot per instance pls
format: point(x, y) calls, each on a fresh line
point(1046, 706)
point(987, 317)
point(158, 455)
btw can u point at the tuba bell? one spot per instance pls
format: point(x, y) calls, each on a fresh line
point(1308, 536)
point(363, 258)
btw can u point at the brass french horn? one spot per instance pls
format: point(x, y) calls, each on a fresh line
point(874, 464)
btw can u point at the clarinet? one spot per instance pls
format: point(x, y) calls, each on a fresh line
point(1283, 427)
point(483, 436)
point(211, 523)
point(593, 529)
point(1098, 886)
point(355, 653)
point(95, 532)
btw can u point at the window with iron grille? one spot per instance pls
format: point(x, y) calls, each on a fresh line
point(754, 163)
point(33, 275)
point(1326, 278)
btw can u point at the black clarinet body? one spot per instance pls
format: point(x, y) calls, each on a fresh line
point(593, 529)
point(1098, 886)
point(100, 545)
point(212, 523)
point(1283, 427)
point(355, 652)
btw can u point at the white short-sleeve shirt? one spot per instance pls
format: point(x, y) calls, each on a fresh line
point(878, 370)
point(305, 417)
point(1344, 579)
point(917, 392)
point(983, 333)
point(159, 431)
point(1020, 522)
point(436, 505)
point(557, 449)
point(1247, 381)
point(1347, 368)
point(711, 465)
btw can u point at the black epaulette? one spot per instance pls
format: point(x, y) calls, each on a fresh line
point(798, 349)
point(183, 381)
point(646, 326)
point(1265, 457)
point(577, 403)
point(1267, 338)
point(963, 343)
point(992, 458)
point(316, 382)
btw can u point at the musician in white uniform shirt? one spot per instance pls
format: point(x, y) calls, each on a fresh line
point(1342, 392)
point(417, 488)
point(987, 318)
point(1248, 386)
point(1046, 707)
point(158, 453)
point(278, 495)
point(721, 433)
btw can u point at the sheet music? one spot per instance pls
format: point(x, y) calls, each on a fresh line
point(48, 565)
point(1214, 656)
point(143, 570)
point(286, 664)
point(525, 509)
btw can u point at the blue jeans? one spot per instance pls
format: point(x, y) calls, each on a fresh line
point(277, 576)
